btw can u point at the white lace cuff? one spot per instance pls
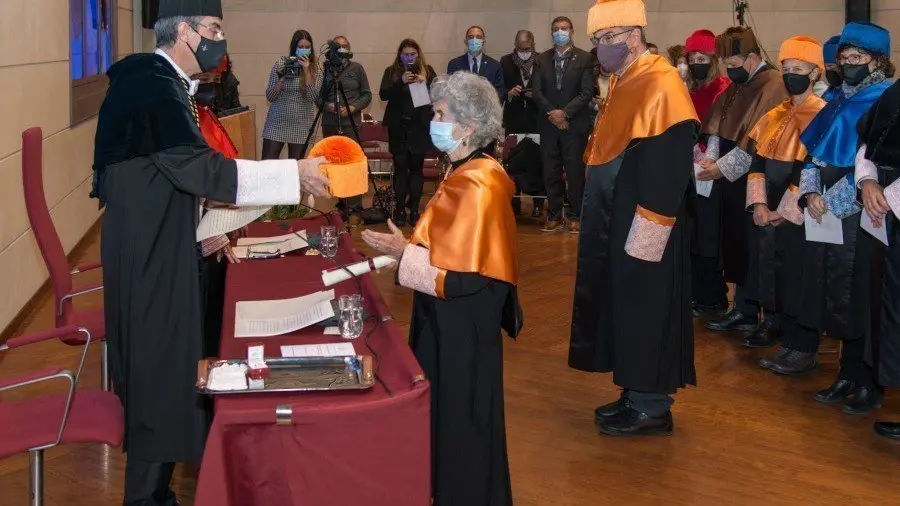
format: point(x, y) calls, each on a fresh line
point(756, 189)
point(789, 207)
point(267, 183)
point(892, 195)
point(712, 147)
point(735, 164)
point(416, 272)
point(865, 168)
point(649, 235)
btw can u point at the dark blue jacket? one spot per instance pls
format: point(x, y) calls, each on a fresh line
point(490, 69)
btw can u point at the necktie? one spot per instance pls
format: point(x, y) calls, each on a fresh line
point(191, 101)
point(474, 65)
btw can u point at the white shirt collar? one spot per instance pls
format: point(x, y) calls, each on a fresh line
point(192, 83)
point(475, 58)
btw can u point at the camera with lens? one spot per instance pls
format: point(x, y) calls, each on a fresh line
point(292, 67)
point(335, 56)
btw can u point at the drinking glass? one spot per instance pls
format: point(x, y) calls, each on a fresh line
point(329, 243)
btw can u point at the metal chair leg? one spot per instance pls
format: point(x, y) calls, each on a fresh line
point(36, 475)
point(104, 366)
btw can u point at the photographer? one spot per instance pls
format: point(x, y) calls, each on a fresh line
point(336, 114)
point(408, 127)
point(293, 90)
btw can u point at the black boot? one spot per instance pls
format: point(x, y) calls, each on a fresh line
point(864, 400)
point(634, 423)
point(400, 218)
point(837, 392)
point(767, 335)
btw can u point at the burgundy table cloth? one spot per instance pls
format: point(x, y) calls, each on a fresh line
point(369, 447)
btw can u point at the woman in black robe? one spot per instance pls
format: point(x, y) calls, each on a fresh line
point(462, 262)
point(877, 173)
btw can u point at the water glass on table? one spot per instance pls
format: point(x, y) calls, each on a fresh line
point(329, 243)
point(351, 321)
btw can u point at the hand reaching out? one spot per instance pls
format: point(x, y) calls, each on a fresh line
point(311, 178)
point(391, 244)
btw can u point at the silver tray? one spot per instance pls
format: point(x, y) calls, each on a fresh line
point(300, 374)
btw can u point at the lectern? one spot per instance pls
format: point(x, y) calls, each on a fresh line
point(241, 127)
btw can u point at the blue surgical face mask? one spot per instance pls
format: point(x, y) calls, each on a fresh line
point(303, 51)
point(442, 136)
point(475, 45)
point(561, 37)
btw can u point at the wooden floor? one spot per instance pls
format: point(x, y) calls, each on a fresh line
point(744, 436)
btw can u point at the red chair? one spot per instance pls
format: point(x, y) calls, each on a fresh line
point(373, 137)
point(55, 257)
point(40, 423)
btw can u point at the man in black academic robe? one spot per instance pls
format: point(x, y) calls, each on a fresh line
point(632, 313)
point(151, 168)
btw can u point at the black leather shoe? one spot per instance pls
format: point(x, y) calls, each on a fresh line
point(769, 362)
point(613, 408)
point(795, 362)
point(399, 218)
point(734, 320)
point(709, 311)
point(864, 400)
point(634, 423)
point(890, 430)
point(767, 335)
point(837, 392)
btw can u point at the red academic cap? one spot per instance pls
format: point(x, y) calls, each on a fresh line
point(703, 41)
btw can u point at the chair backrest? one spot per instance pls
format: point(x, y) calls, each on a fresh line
point(41, 222)
point(373, 132)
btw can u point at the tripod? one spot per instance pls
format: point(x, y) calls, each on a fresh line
point(335, 89)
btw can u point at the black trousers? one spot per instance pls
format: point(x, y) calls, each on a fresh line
point(408, 178)
point(650, 403)
point(271, 150)
point(352, 205)
point(147, 483)
point(563, 150)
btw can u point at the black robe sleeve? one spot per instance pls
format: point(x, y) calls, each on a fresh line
point(668, 166)
point(463, 284)
point(199, 171)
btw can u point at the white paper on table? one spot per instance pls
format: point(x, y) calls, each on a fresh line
point(332, 331)
point(270, 245)
point(340, 274)
point(865, 222)
point(263, 318)
point(704, 188)
point(319, 350)
point(419, 92)
point(223, 220)
point(830, 231)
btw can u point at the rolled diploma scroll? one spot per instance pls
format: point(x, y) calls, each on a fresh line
point(337, 275)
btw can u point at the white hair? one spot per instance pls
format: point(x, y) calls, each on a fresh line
point(473, 101)
point(166, 29)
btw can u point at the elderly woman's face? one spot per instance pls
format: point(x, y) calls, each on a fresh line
point(441, 113)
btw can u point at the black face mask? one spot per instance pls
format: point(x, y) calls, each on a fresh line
point(209, 53)
point(796, 84)
point(834, 78)
point(699, 71)
point(855, 74)
point(738, 75)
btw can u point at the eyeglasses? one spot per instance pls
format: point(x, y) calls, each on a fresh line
point(854, 59)
point(607, 39)
point(216, 30)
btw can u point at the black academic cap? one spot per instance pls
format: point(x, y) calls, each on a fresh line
point(172, 8)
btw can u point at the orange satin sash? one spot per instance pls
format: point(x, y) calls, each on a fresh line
point(777, 134)
point(469, 226)
point(645, 102)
